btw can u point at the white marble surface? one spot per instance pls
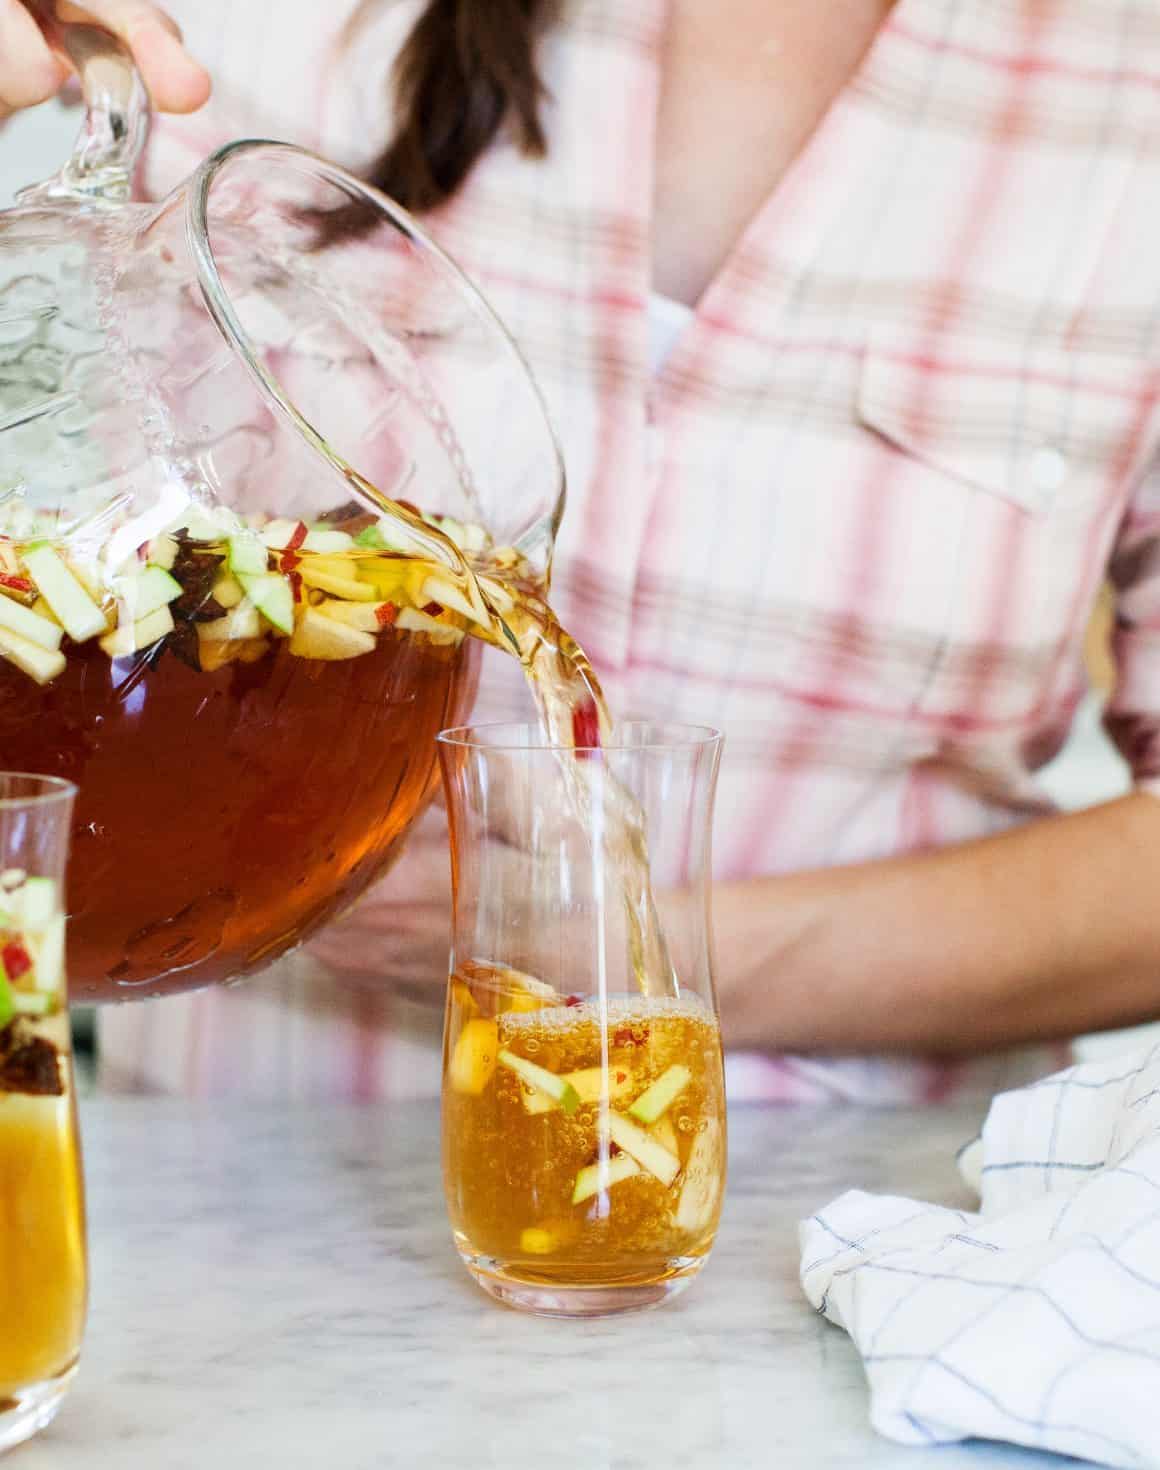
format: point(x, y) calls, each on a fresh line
point(278, 1289)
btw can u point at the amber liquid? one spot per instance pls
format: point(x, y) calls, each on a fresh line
point(42, 1242)
point(510, 1170)
point(222, 815)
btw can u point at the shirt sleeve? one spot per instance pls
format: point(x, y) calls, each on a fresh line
point(1132, 717)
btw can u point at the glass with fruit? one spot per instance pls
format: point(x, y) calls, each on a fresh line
point(583, 1100)
point(42, 1217)
point(266, 457)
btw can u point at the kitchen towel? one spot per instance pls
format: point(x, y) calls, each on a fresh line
point(1037, 1319)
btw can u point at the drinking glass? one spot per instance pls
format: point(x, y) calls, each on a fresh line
point(583, 1099)
point(42, 1217)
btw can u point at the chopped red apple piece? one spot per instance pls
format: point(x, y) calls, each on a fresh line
point(366, 616)
point(26, 623)
point(282, 535)
point(703, 1178)
point(656, 1100)
point(649, 1154)
point(474, 1057)
point(589, 1085)
point(79, 615)
point(445, 594)
point(31, 1002)
point(271, 594)
point(39, 663)
point(132, 637)
point(539, 1078)
point(603, 1174)
point(248, 554)
point(316, 636)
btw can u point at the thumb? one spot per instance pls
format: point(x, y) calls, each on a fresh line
point(175, 82)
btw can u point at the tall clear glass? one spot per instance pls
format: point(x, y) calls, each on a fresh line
point(42, 1217)
point(583, 1102)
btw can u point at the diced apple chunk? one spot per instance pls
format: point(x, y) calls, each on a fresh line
point(589, 1085)
point(415, 621)
point(656, 1100)
point(557, 1088)
point(535, 1241)
point(369, 617)
point(665, 1134)
point(242, 621)
point(79, 615)
point(437, 589)
point(339, 584)
point(146, 591)
point(132, 637)
point(39, 663)
point(273, 596)
point(217, 653)
point(162, 552)
point(227, 591)
point(596, 1178)
point(29, 625)
point(649, 1154)
point(703, 1179)
point(247, 554)
point(320, 637)
point(280, 534)
point(474, 1056)
point(327, 542)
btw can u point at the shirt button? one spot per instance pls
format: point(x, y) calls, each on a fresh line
point(1048, 468)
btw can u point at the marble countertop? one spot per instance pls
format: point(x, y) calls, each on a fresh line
point(278, 1288)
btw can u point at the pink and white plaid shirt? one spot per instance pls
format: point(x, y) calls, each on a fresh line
point(860, 518)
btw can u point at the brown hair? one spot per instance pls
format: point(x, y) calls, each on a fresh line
point(466, 71)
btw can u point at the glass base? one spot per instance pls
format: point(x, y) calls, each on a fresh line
point(516, 1287)
point(32, 1410)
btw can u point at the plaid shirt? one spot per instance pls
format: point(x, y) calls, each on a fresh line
point(861, 517)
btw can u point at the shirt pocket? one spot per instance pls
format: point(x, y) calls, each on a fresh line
point(1018, 468)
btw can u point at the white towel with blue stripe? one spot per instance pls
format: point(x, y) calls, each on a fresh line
point(1037, 1319)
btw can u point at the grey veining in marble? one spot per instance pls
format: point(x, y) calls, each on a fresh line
point(278, 1290)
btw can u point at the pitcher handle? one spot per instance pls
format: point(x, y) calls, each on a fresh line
point(112, 136)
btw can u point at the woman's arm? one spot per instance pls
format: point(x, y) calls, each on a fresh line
point(1043, 932)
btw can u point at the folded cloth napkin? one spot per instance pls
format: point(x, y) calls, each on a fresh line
point(1036, 1320)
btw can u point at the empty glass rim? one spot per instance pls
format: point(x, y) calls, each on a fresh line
point(629, 736)
point(41, 790)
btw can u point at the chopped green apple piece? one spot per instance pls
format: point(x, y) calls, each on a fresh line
point(320, 637)
point(216, 654)
point(649, 1154)
point(414, 621)
point(273, 596)
point(39, 663)
point(145, 592)
point(589, 1085)
point(665, 1134)
point(539, 1078)
point(30, 625)
point(240, 622)
point(247, 553)
point(38, 902)
point(474, 1057)
point(603, 1174)
point(701, 1190)
point(327, 542)
point(132, 637)
point(389, 536)
point(7, 1000)
point(656, 1100)
point(372, 538)
point(79, 615)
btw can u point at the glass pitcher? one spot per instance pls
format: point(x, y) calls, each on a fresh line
point(251, 439)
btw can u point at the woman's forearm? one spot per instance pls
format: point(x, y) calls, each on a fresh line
point(1043, 932)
